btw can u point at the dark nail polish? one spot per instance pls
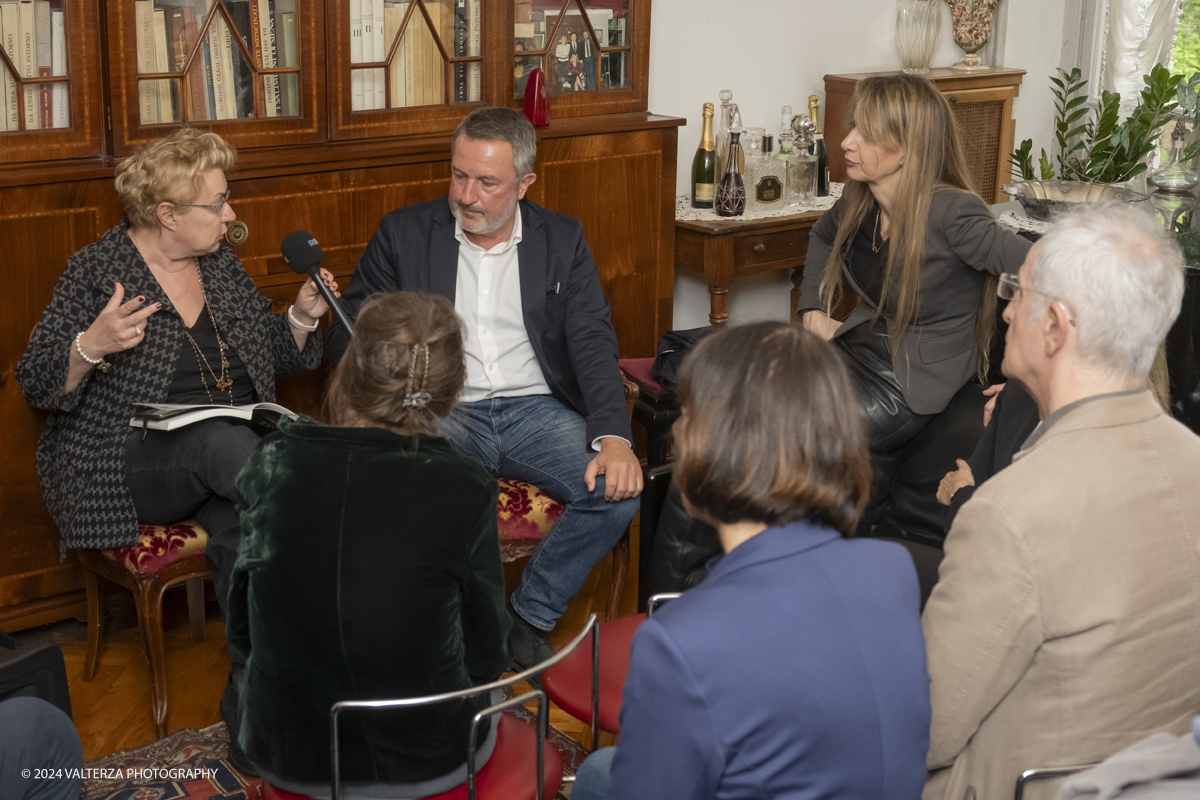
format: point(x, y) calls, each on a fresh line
point(141, 299)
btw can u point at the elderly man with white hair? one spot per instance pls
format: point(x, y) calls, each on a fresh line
point(1065, 625)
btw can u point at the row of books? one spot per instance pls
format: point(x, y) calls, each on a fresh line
point(34, 38)
point(417, 73)
point(220, 82)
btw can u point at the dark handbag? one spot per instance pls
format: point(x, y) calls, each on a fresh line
point(672, 347)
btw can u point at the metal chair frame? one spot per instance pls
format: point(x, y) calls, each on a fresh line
point(462, 694)
point(1045, 772)
point(653, 603)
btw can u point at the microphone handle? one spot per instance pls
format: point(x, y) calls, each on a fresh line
point(331, 301)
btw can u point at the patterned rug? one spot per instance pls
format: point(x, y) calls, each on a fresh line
point(193, 764)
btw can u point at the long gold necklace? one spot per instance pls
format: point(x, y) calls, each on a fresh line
point(223, 383)
point(876, 248)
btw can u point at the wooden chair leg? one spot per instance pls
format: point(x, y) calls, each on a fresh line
point(149, 609)
point(620, 567)
point(195, 601)
point(95, 611)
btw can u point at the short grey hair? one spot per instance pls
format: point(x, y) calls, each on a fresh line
point(1121, 277)
point(493, 124)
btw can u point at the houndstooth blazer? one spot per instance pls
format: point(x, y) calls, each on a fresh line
point(81, 455)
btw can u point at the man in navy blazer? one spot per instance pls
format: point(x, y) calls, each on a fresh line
point(543, 401)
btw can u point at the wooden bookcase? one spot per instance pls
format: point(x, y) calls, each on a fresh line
point(327, 169)
point(982, 103)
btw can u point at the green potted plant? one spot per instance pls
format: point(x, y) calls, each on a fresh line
point(1096, 146)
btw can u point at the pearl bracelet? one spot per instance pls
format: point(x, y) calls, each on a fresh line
point(95, 362)
point(298, 325)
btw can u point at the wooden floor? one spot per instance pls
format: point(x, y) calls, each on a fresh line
point(112, 711)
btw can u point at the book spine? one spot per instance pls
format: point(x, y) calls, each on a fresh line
point(271, 53)
point(27, 64)
point(214, 61)
point(165, 111)
point(287, 22)
point(427, 65)
point(228, 74)
point(460, 49)
point(9, 27)
point(257, 49)
point(380, 53)
point(210, 82)
point(197, 82)
point(243, 73)
point(391, 24)
point(357, 92)
point(368, 54)
point(474, 41)
point(44, 53)
point(143, 14)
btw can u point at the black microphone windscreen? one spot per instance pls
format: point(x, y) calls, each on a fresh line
point(301, 251)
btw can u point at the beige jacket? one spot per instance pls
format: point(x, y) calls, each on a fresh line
point(1065, 625)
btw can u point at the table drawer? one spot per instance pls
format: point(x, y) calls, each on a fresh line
point(758, 249)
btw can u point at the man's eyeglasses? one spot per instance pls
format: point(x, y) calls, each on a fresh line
point(1010, 286)
point(215, 207)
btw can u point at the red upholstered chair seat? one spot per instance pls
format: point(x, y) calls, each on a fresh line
point(510, 774)
point(526, 514)
point(640, 370)
point(569, 682)
point(159, 546)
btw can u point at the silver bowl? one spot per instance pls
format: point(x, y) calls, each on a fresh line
point(1042, 199)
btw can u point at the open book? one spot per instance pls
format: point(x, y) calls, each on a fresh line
point(167, 417)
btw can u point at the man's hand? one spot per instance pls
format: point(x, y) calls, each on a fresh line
point(820, 323)
point(620, 468)
point(954, 481)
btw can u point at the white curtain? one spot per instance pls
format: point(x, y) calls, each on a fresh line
point(1138, 35)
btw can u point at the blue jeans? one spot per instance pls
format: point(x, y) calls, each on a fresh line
point(538, 440)
point(595, 773)
point(40, 752)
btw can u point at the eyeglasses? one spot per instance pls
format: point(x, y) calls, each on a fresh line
point(1010, 286)
point(215, 207)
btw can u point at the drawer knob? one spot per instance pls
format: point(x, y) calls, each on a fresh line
point(760, 248)
point(953, 98)
point(237, 233)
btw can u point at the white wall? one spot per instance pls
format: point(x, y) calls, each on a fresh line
point(776, 52)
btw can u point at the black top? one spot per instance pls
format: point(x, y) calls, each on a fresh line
point(867, 266)
point(191, 373)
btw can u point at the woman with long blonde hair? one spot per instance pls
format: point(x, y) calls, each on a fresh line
point(920, 249)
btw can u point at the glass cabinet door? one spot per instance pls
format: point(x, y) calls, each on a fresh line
point(409, 66)
point(45, 55)
point(236, 66)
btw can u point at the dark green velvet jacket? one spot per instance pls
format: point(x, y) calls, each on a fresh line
point(369, 568)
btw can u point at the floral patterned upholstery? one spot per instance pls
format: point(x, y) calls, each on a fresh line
point(526, 514)
point(159, 546)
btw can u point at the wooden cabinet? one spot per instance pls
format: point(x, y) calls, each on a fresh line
point(314, 161)
point(982, 103)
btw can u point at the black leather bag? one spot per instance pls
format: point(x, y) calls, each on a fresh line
point(672, 347)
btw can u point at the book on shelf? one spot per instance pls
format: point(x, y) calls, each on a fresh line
point(262, 36)
point(290, 94)
point(27, 64)
point(474, 39)
point(357, 91)
point(169, 417)
point(58, 91)
point(393, 15)
point(434, 72)
point(243, 74)
point(379, 48)
point(460, 49)
point(368, 55)
point(166, 113)
point(9, 33)
point(221, 42)
point(143, 18)
point(43, 54)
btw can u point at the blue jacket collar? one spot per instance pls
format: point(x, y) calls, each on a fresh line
point(771, 545)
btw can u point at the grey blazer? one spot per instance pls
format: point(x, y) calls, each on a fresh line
point(962, 242)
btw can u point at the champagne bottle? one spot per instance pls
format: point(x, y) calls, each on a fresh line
point(818, 149)
point(704, 165)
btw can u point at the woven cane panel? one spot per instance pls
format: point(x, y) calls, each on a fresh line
point(979, 124)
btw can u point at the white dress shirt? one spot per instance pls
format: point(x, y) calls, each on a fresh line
point(487, 295)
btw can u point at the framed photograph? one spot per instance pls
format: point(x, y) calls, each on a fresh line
point(571, 55)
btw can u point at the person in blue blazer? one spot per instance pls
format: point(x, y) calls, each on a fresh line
point(797, 668)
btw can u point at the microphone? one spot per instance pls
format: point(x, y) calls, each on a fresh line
point(302, 253)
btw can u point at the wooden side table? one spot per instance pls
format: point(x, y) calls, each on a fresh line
point(722, 250)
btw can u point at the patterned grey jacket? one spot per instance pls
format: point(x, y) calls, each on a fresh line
point(81, 455)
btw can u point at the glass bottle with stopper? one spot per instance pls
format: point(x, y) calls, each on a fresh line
point(765, 175)
point(731, 193)
point(802, 165)
point(722, 129)
point(785, 134)
point(1174, 181)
